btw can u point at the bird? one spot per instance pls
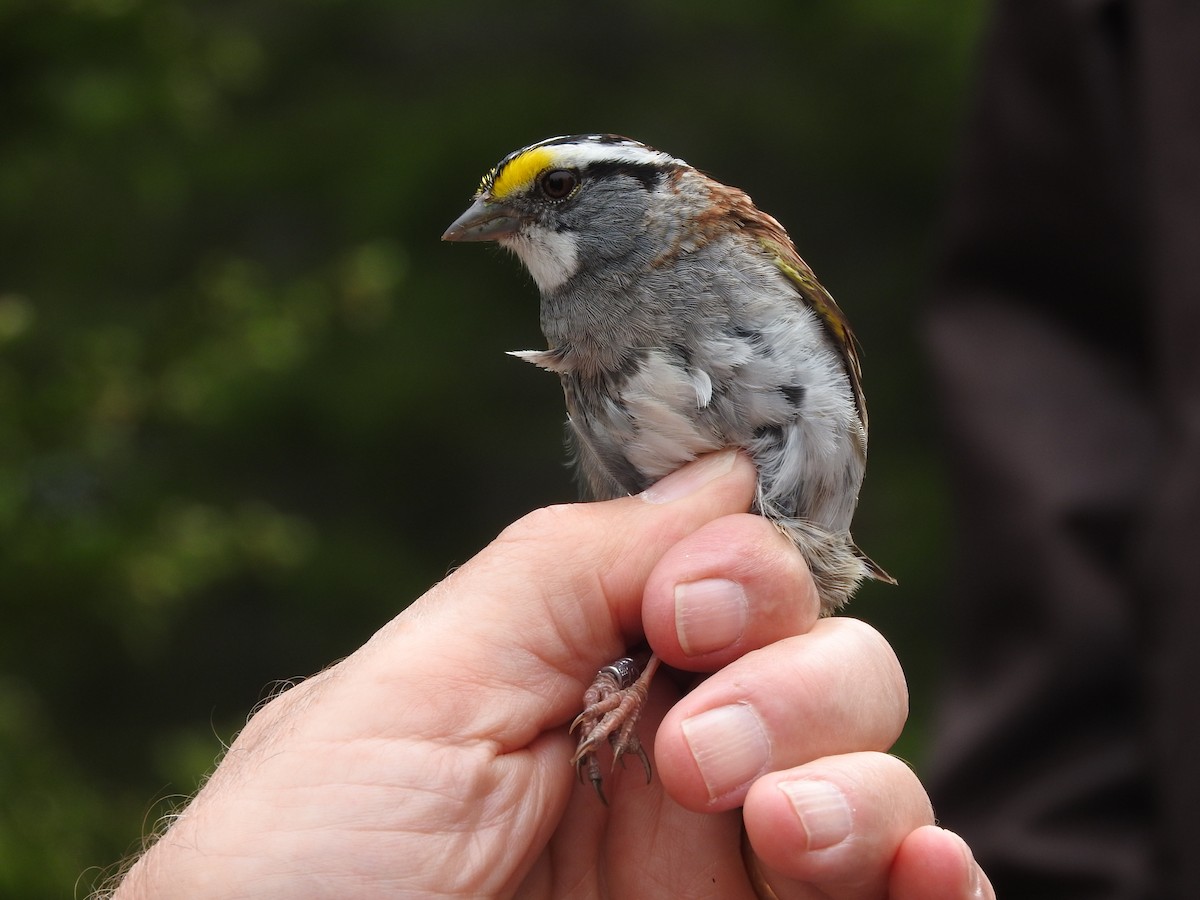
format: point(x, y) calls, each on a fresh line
point(681, 320)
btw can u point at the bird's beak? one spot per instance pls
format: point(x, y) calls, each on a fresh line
point(486, 220)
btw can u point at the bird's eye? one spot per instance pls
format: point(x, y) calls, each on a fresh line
point(557, 184)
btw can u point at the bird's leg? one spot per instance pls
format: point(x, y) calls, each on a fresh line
point(611, 709)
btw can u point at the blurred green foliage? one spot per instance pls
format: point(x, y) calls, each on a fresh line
point(250, 406)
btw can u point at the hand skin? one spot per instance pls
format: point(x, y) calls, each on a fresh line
point(434, 761)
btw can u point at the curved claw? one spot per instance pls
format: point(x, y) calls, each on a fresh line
point(598, 784)
point(619, 757)
point(593, 774)
point(641, 754)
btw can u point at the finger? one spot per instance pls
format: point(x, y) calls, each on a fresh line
point(935, 864)
point(832, 828)
point(733, 585)
point(836, 689)
point(506, 643)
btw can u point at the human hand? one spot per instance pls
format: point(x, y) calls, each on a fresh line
point(435, 759)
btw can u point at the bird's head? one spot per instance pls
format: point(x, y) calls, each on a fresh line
point(569, 203)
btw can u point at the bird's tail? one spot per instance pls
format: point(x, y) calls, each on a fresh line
point(873, 569)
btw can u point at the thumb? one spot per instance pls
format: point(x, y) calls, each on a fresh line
point(513, 635)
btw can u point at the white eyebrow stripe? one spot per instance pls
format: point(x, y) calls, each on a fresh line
point(581, 155)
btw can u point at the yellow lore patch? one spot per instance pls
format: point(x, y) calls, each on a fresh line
point(520, 172)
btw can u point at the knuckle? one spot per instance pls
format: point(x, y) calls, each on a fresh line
point(542, 525)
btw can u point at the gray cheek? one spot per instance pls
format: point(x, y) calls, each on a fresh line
point(610, 223)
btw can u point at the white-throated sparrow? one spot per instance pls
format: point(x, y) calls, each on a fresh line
point(681, 320)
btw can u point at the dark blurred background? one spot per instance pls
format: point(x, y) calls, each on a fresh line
point(250, 406)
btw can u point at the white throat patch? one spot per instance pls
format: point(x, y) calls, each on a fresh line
point(551, 257)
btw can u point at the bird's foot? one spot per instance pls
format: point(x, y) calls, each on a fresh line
point(611, 709)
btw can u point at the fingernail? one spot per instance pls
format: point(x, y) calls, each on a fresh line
point(729, 745)
point(710, 614)
point(690, 478)
point(822, 809)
